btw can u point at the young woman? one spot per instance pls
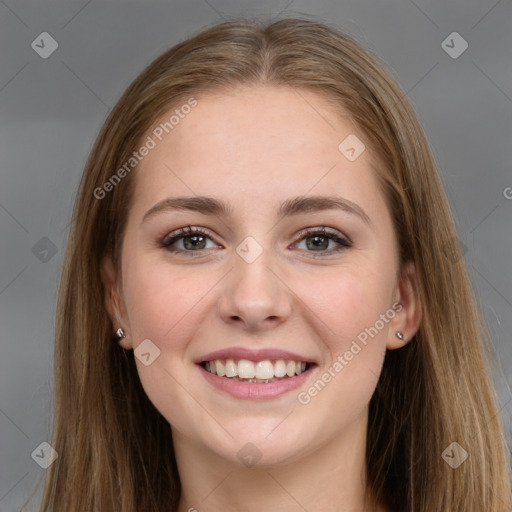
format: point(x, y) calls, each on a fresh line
point(263, 304)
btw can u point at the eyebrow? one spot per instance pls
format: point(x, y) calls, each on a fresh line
point(294, 206)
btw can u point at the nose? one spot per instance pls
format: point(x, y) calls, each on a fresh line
point(256, 296)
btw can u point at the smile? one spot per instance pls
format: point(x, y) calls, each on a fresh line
point(256, 380)
point(265, 371)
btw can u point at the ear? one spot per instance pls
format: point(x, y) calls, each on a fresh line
point(408, 317)
point(114, 301)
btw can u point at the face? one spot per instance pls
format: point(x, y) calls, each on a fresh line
point(265, 283)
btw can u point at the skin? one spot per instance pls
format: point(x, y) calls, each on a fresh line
point(256, 147)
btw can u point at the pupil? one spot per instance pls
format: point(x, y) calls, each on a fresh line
point(194, 243)
point(317, 238)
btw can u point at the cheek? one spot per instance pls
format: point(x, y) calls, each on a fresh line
point(352, 313)
point(346, 303)
point(162, 307)
point(163, 301)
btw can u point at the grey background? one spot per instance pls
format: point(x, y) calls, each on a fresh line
point(51, 110)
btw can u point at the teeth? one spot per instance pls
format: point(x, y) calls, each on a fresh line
point(264, 370)
point(280, 368)
point(261, 371)
point(246, 369)
point(219, 367)
point(231, 368)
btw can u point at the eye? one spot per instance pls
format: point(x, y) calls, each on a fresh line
point(319, 238)
point(194, 240)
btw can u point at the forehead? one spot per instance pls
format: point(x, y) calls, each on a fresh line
point(254, 143)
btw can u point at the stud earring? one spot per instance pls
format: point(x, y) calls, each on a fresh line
point(120, 333)
point(399, 335)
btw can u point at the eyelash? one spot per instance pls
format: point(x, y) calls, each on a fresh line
point(171, 238)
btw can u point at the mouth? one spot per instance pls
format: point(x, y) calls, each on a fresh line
point(264, 371)
point(258, 379)
point(255, 373)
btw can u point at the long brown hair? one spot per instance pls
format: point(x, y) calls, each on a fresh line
point(115, 449)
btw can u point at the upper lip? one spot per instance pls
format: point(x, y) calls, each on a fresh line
point(261, 354)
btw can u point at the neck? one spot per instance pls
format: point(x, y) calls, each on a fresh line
point(331, 476)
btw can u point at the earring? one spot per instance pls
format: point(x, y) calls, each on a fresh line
point(120, 333)
point(399, 335)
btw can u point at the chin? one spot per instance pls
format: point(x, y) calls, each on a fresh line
point(255, 448)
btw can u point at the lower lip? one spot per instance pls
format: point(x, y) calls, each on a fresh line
point(255, 390)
